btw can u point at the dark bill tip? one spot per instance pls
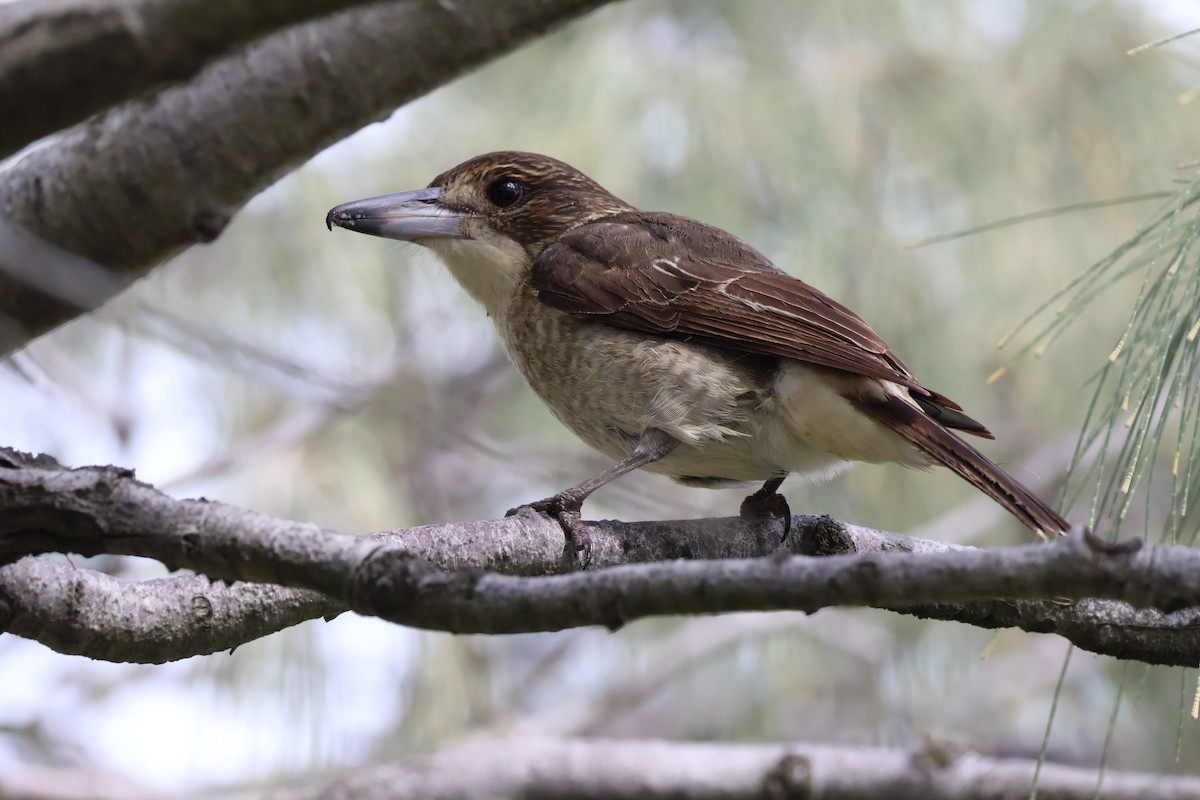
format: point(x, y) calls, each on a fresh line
point(406, 216)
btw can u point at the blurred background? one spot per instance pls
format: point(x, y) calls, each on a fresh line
point(347, 381)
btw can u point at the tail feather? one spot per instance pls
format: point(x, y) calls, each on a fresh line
point(930, 437)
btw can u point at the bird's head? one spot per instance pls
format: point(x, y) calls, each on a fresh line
point(488, 218)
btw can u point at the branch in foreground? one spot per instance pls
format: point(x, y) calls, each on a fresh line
point(84, 612)
point(62, 62)
point(182, 162)
point(615, 769)
point(105, 510)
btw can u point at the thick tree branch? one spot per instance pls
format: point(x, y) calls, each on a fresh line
point(177, 165)
point(63, 60)
point(615, 769)
point(105, 510)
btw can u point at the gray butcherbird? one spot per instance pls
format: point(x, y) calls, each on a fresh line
point(671, 345)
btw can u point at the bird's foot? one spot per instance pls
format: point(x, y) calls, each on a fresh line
point(769, 503)
point(566, 509)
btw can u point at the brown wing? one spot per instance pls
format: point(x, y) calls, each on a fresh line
point(663, 274)
point(660, 273)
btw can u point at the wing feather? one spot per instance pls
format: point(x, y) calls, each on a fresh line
point(658, 273)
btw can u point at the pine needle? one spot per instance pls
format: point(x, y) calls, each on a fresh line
point(1160, 42)
point(1052, 212)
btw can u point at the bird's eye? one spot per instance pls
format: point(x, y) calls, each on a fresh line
point(505, 192)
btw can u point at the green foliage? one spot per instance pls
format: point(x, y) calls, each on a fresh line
point(1144, 410)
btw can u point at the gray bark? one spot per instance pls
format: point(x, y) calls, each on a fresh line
point(63, 60)
point(613, 769)
point(1139, 602)
point(532, 768)
point(153, 176)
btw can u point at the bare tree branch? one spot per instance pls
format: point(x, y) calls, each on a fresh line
point(84, 612)
point(176, 166)
point(63, 60)
point(534, 768)
point(539, 768)
point(97, 510)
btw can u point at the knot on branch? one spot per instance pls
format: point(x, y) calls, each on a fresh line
point(824, 536)
point(1145, 580)
point(392, 583)
point(934, 756)
point(790, 779)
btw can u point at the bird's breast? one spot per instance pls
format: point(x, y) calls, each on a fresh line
point(594, 376)
point(609, 385)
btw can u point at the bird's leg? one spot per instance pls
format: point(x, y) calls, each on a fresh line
point(566, 506)
point(768, 502)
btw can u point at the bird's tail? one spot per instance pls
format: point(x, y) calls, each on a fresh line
point(931, 438)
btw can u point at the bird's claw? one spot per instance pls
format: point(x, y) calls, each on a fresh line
point(567, 512)
point(772, 504)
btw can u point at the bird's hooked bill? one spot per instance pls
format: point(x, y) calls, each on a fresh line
point(405, 215)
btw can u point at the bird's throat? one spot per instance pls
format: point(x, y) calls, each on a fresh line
point(488, 269)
